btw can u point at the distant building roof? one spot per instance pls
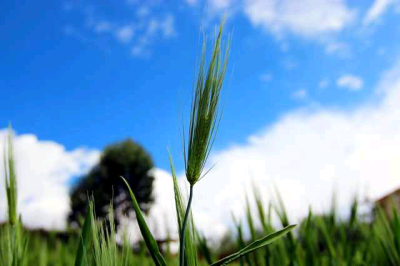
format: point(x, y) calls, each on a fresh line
point(387, 196)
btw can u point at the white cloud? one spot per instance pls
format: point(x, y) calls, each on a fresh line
point(165, 26)
point(266, 77)
point(319, 20)
point(310, 18)
point(350, 82)
point(140, 47)
point(125, 34)
point(377, 9)
point(44, 169)
point(307, 153)
point(300, 94)
point(339, 48)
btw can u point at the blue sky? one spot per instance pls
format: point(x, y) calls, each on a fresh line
point(70, 73)
point(312, 94)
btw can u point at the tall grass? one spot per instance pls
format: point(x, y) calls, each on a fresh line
point(323, 239)
point(13, 242)
point(105, 248)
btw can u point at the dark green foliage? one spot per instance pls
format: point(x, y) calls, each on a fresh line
point(126, 159)
point(387, 237)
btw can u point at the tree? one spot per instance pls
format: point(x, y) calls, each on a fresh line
point(127, 159)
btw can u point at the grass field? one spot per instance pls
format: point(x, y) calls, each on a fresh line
point(319, 240)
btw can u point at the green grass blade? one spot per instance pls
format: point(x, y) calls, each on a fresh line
point(396, 228)
point(190, 241)
point(204, 248)
point(10, 179)
point(81, 255)
point(240, 241)
point(260, 208)
point(252, 231)
point(254, 246)
point(322, 226)
point(147, 236)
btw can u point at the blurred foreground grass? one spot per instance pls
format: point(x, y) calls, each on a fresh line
point(322, 239)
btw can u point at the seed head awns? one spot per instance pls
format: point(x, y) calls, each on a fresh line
point(205, 110)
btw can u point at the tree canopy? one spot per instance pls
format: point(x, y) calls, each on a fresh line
point(127, 159)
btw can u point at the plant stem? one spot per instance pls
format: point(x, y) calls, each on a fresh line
point(182, 240)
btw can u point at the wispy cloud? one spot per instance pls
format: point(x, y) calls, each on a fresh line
point(139, 32)
point(125, 34)
point(377, 9)
point(351, 82)
point(168, 26)
point(339, 48)
point(309, 18)
point(164, 26)
point(140, 48)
